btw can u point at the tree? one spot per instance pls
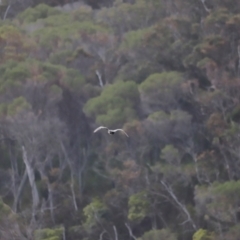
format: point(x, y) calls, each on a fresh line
point(219, 202)
point(10, 224)
point(14, 45)
point(117, 104)
point(94, 212)
point(123, 17)
point(202, 234)
point(158, 234)
point(36, 138)
point(160, 91)
point(49, 234)
point(138, 206)
point(41, 11)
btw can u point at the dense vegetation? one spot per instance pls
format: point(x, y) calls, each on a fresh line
point(168, 72)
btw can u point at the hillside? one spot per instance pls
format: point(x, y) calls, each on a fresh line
point(168, 73)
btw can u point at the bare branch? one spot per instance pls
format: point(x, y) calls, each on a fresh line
point(64, 233)
point(82, 168)
point(183, 208)
point(99, 78)
point(238, 49)
point(101, 235)
point(6, 12)
point(130, 231)
point(115, 232)
point(30, 172)
point(72, 177)
point(101, 174)
point(19, 191)
point(205, 7)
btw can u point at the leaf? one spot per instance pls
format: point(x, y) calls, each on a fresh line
point(138, 206)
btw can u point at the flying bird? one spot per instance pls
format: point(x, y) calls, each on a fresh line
point(110, 131)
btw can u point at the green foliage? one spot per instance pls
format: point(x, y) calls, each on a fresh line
point(116, 104)
point(5, 210)
point(51, 71)
point(220, 200)
point(18, 72)
point(17, 105)
point(13, 75)
point(138, 205)
point(6, 30)
point(180, 116)
point(231, 5)
point(170, 154)
point(171, 125)
point(159, 116)
point(3, 109)
point(60, 28)
point(233, 23)
point(164, 233)
point(48, 234)
point(181, 132)
point(84, 13)
point(202, 234)
point(217, 18)
point(212, 47)
point(39, 12)
point(71, 77)
point(126, 16)
point(233, 233)
point(205, 62)
point(159, 41)
point(94, 212)
point(175, 116)
point(228, 189)
point(180, 26)
point(162, 89)
point(74, 79)
point(13, 44)
point(134, 39)
point(60, 57)
point(159, 79)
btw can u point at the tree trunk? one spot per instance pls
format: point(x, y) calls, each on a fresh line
point(72, 178)
point(19, 191)
point(31, 177)
point(81, 171)
point(6, 12)
point(180, 205)
point(115, 232)
point(51, 204)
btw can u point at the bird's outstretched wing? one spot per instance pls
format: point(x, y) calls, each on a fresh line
point(99, 128)
point(116, 130)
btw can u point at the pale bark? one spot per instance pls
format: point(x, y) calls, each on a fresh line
point(72, 177)
point(99, 78)
point(81, 171)
point(64, 233)
point(19, 191)
point(51, 204)
point(73, 192)
point(130, 231)
point(31, 177)
point(101, 235)
point(238, 49)
point(180, 205)
point(115, 232)
point(205, 7)
point(6, 12)
point(50, 191)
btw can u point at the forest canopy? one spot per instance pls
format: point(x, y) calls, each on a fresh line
point(167, 72)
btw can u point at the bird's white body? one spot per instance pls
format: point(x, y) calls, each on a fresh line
point(110, 131)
